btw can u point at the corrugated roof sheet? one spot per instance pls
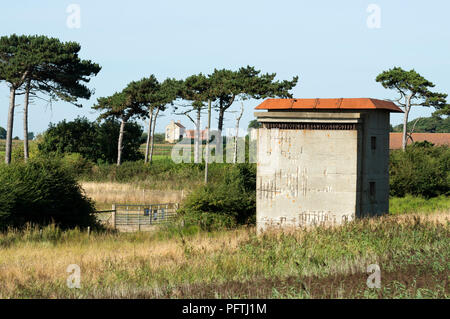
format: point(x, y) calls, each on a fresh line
point(330, 104)
point(395, 139)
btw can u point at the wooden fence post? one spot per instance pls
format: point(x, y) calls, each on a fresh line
point(113, 214)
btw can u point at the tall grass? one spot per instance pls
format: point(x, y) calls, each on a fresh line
point(108, 193)
point(414, 204)
point(413, 253)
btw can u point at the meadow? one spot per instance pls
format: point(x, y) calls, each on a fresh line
point(175, 262)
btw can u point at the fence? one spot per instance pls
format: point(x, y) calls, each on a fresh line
point(140, 217)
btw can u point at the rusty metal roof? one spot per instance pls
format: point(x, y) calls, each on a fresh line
point(395, 139)
point(328, 104)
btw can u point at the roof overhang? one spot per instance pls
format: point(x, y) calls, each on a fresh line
point(357, 104)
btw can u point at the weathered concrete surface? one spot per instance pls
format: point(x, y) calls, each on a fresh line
point(308, 177)
point(374, 164)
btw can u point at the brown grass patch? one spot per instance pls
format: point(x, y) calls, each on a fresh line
point(108, 193)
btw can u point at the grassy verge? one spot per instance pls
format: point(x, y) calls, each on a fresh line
point(413, 204)
point(412, 252)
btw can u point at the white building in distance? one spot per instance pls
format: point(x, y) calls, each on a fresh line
point(174, 132)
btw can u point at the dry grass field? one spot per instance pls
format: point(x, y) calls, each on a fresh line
point(412, 251)
point(108, 193)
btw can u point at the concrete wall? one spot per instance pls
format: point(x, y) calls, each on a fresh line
point(307, 177)
point(374, 164)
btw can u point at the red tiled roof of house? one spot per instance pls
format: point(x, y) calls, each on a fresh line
point(191, 134)
point(395, 139)
point(331, 104)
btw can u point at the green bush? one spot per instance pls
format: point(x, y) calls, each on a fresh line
point(225, 204)
point(95, 142)
point(76, 164)
point(17, 154)
point(42, 192)
point(421, 170)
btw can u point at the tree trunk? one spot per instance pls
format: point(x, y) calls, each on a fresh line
point(236, 136)
point(221, 116)
point(153, 135)
point(9, 131)
point(405, 122)
point(149, 133)
point(119, 144)
point(207, 142)
point(25, 121)
point(197, 144)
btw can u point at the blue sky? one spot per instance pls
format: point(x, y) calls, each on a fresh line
point(326, 43)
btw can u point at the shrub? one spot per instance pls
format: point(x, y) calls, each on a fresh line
point(225, 204)
point(421, 170)
point(95, 142)
point(42, 192)
point(76, 164)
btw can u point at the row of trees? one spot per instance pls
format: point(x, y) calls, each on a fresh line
point(148, 97)
point(432, 124)
point(46, 68)
point(42, 67)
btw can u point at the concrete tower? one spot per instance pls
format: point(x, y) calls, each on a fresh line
point(322, 161)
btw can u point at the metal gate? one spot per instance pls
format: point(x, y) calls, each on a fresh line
point(141, 217)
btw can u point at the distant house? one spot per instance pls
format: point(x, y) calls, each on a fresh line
point(191, 134)
point(174, 132)
point(395, 139)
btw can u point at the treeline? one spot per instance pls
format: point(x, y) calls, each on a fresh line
point(432, 124)
point(148, 97)
point(38, 66)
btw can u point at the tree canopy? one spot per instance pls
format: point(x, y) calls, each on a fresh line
point(247, 82)
point(45, 65)
point(413, 90)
